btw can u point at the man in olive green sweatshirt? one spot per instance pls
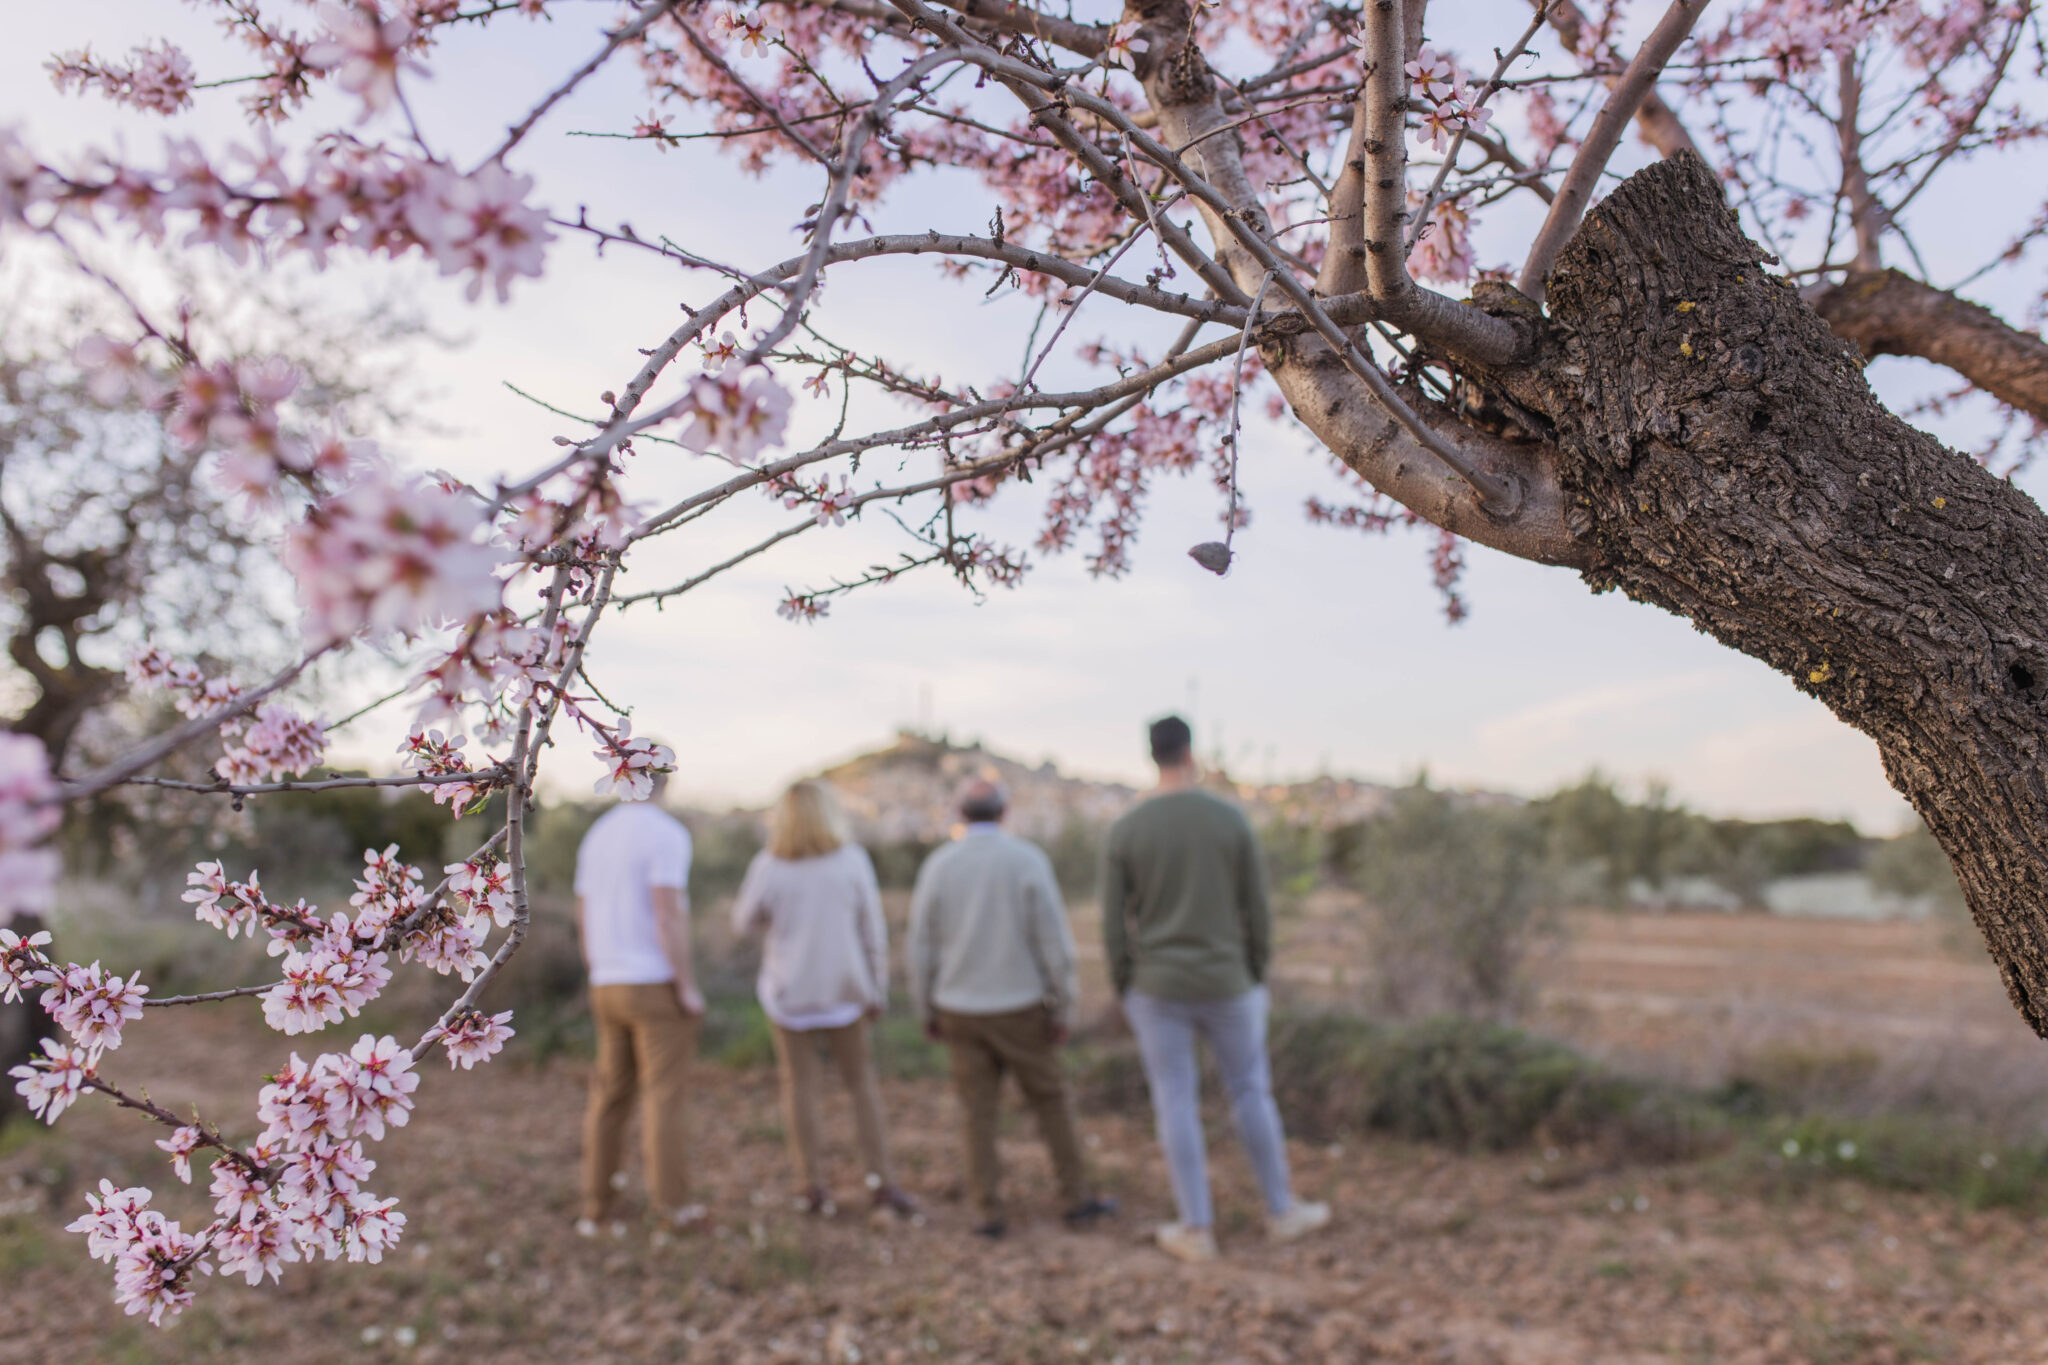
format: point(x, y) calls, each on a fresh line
point(1188, 934)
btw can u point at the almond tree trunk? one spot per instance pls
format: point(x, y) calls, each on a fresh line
point(1726, 461)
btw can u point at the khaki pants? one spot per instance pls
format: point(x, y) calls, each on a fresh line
point(644, 1046)
point(985, 1047)
point(796, 1055)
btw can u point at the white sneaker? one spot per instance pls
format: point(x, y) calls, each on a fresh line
point(1298, 1221)
point(1193, 1245)
point(586, 1227)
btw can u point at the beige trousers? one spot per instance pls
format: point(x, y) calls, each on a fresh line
point(985, 1048)
point(644, 1047)
point(797, 1055)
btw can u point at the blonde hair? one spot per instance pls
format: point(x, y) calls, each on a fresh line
point(806, 822)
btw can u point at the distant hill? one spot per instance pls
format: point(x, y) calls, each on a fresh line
point(904, 793)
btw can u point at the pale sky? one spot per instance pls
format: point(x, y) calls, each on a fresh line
point(1323, 650)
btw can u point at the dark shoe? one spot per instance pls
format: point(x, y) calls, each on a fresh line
point(993, 1229)
point(893, 1200)
point(1089, 1212)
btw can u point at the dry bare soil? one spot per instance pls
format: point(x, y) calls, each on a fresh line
point(1436, 1256)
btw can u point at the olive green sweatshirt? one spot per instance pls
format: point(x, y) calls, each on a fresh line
point(1184, 913)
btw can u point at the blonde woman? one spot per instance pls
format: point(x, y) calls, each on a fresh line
point(824, 977)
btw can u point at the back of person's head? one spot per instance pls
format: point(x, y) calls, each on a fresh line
point(659, 781)
point(982, 800)
point(806, 822)
point(1172, 741)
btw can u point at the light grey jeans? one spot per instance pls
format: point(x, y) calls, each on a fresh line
point(1236, 1032)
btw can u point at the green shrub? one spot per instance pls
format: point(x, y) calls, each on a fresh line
point(1461, 1082)
point(1454, 904)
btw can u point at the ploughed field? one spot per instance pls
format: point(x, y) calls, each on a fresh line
point(1685, 993)
point(1436, 1256)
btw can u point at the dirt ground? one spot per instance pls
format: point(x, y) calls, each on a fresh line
point(1529, 1259)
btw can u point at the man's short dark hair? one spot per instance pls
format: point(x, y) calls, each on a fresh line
point(1171, 741)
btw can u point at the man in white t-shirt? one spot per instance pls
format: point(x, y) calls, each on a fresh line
point(633, 917)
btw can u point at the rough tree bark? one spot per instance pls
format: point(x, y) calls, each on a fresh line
point(1729, 464)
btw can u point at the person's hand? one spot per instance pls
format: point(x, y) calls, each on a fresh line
point(872, 1012)
point(691, 999)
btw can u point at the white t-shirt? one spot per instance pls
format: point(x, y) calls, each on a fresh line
point(633, 848)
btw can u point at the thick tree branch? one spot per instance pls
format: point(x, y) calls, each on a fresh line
point(1887, 313)
point(1603, 137)
point(1866, 216)
point(1088, 40)
point(1343, 269)
point(1503, 493)
point(1657, 122)
point(1385, 100)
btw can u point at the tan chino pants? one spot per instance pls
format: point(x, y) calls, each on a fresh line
point(796, 1054)
point(645, 1044)
point(984, 1048)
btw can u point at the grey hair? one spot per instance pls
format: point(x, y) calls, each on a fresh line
point(982, 799)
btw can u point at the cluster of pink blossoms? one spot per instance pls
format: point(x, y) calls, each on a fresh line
point(747, 27)
point(241, 907)
point(391, 899)
point(389, 556)
point(735, 415)
point(156, 78)
point(631, 764)
point(482, 886)
point(433, 754)
point(153, 1258)
point(366, 51)
point(496, 664)
point(89, 1003)
point(595, 521)
point(1440, 83)
point(473, 1037)
point(276, 742)
point(829, 504)
point(325, 977)
point(347, 194)
point(299, 1191)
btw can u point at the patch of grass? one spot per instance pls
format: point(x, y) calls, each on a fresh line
point(736, 1033)
point(1900, 1152)
point(902, 1050)
point(23, 1247)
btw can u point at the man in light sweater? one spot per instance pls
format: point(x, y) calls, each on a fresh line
point(992, 977)
point(1188, 933)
